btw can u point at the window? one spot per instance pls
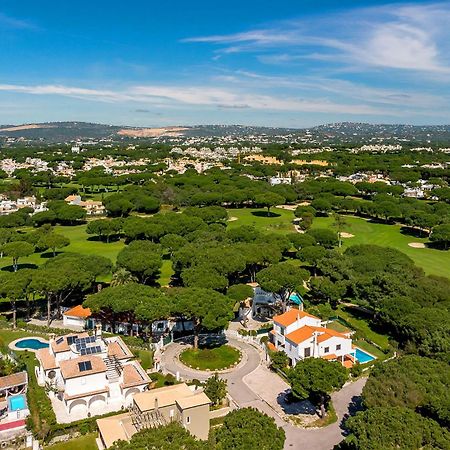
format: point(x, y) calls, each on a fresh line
point(188, 420)
point(338, 347)
point(326, 349)
point(307, 352)
point(282, 331)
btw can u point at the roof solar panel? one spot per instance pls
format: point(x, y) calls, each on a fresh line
point(85, 365)
point(59, 340)
point(71, 339)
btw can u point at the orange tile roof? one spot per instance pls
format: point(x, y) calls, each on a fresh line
point(329, 333)
point(329, 357)
point(118, 349)
point(289, 317)
point(132, 377)
point(306, 332)
point(15, 379)
point(46, 359)
point(301, 335)
point(78, 311)
point(347, 364)
point(70, 368)
point(271, 347)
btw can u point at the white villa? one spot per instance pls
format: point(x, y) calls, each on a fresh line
point(301, 335)
point(89, 375)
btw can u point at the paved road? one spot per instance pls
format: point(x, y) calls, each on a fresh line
point(244, 396)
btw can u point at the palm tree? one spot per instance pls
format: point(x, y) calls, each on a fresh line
point(121, 277)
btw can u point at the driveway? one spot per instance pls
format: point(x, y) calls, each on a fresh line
point(251, 384)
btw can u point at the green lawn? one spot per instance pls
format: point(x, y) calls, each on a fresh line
point(436, 262)
point(166, 273)
point(86, 442)
point(280, 220)
point(362, 326)
point(217, 358)
point(83, 243)
point(146, 359)
point(79, 243)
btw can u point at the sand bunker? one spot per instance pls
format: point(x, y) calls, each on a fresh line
point(346, 235)
point(417, 245)
point(232, 219)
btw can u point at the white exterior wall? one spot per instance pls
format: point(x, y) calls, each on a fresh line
point(281, 332)
point(73, 321)
point(346, 346)
point(297, 352)
point(86, 383)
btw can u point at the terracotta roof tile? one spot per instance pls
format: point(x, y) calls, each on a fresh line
point(15, 379)
point(289, 317)
point(70, 368)
point(132, 377)
point(118, 348)
point(78, 311)
point(46, 359)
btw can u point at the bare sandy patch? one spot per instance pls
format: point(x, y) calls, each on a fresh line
point(152, 132)
point(346, 235)
point(417, 245)
point(232, 219)
point(25, 127)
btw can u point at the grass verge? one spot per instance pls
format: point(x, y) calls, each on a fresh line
point(217, 358)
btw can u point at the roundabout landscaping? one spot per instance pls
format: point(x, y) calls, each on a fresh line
point(211, 359)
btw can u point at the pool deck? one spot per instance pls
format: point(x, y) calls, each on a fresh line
point(13, 346)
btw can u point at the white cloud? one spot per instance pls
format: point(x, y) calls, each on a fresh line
point(202, 96)
point(411, 37)
point(14, 23)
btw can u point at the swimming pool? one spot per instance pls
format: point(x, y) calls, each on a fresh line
point(31, 344)
point(363, 357)
point(296, 298)
point(17, 402)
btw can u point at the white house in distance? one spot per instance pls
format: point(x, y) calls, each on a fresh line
point(76, 317)
point(89, 375)
point(92, 207)
point(301, 335)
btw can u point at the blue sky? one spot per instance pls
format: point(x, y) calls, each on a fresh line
point(285, 63)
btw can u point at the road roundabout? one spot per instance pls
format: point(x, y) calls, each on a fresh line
point(252, 384)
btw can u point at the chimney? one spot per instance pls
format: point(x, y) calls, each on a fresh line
point(156, 403)
point(98, 329)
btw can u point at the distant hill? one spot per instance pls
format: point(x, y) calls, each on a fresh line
point(352, 132)
point(344, 133)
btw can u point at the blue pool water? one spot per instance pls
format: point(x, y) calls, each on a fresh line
point(296, 298)
point(363, 357)
point(33, 344)
point(17, 402)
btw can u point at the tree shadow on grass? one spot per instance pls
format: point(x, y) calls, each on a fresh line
point(414, 232)
point(103, 240)
point(20, 266)
point(293, 406)
point(48, 255)
point(264, 214)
